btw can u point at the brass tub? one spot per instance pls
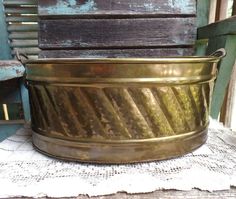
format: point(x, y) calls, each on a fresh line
point(120, 110)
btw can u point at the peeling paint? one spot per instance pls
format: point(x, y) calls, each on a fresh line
point(66, 42)
point(71, 7)
point(149, 6)
point(10, 72)
point(182, 5)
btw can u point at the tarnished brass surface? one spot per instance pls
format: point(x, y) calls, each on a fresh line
point(120, 110)
point(120, 152)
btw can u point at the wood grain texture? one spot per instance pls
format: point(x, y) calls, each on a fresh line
point(115, 33)
point(229, 100)
point(113, 7)
point(158, 52)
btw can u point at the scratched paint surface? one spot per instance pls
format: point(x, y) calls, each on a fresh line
point(182, 5)
point(71, 6)
point(10, 70)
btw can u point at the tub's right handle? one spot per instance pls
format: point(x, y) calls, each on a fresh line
point(219, 53)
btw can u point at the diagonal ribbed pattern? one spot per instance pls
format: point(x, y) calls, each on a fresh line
point(118, 113)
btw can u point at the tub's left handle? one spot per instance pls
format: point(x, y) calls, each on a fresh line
point(21, 57)
point(220, 53)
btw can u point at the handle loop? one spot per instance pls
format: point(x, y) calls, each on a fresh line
point(21, 57)
point(219, 53)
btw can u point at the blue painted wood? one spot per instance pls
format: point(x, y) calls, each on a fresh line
point(7, 130)
point(25, 101)
point(5, 51)
point(115, 7)
point(10, 69)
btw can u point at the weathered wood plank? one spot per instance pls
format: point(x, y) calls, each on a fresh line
point(227, 26)
point(10, 69)
point(212, 11)
point(27, 51)
point(114, 7)
point(158, 52)
point(202, 12)
point(22, 27)
point(228, 106)
point(24, 43)
point(227, 109)
point(221, 9)
point(21, 10)
point(23, 35)
point(7, 122)
point(28, 18)
point(234, 8)
point(5, 51)
point(21, 2)
point(102, 33)
point(25, 100)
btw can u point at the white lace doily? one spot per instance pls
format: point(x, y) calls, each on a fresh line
point(25, 172)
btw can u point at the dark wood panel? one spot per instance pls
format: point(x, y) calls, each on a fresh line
point(115, 33)
point(122, 7)
point(224, 27)
point(116, 53)
point(9, 92)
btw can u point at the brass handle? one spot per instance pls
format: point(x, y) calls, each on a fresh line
point(219, 53)
point(21, 57)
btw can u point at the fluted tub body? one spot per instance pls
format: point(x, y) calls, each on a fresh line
point(120, 110)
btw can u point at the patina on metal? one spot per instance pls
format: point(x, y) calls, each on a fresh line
point(120, 110)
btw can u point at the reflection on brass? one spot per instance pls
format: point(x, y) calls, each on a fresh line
point(120, 110)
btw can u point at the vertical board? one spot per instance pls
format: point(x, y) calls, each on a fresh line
point(5, 51)
point(226, 66)
point(203, 12)
point(25, 100)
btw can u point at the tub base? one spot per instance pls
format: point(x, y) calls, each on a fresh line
point(122, 151)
